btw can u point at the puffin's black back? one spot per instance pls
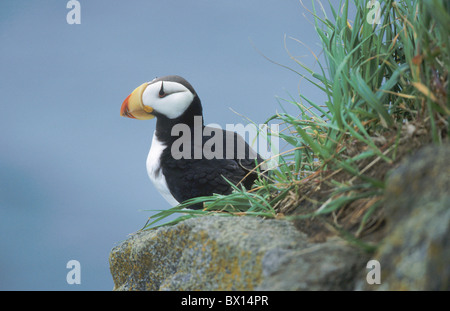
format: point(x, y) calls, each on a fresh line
point(190, 178)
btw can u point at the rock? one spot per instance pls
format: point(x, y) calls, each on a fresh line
point(232, 253)
point(415, 254)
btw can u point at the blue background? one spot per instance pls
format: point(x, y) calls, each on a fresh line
point(73, 181)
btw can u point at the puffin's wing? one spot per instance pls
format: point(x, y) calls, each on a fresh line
point(228, 156)
point(194, 178)
point(241, 158)
point(233, 147)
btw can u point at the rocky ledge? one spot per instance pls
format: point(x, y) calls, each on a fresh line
point(246, 253)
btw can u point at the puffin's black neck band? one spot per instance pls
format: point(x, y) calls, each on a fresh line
point(164, 125)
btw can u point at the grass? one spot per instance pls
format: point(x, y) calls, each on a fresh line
point(386, 88)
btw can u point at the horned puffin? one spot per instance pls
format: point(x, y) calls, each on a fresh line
point(192, 167)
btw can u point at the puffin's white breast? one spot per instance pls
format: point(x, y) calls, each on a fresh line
point(154, 170)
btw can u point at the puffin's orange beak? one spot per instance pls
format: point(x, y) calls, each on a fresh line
point(133, 107)
point(124, 110)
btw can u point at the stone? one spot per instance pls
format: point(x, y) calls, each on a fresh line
point(415, 255)
point(232, 253)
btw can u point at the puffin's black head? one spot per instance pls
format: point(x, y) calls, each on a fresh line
point(168, 97)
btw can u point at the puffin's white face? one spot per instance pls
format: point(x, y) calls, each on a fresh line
point(168, 98)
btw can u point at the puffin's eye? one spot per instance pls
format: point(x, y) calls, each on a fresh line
point(161, 91)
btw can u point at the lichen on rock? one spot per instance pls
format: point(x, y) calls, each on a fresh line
point(415, 254)
point(230, 253)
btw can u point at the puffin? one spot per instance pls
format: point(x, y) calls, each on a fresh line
point(188, 159)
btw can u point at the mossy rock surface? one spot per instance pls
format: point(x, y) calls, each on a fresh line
point(415, 254)
point(232, 253)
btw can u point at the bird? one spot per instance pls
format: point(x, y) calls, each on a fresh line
point(199, 162)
